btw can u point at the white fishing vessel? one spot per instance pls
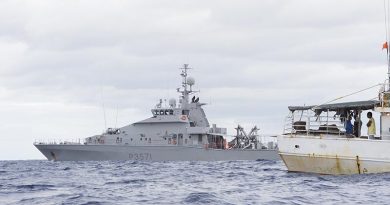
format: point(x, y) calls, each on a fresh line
point(179, 131)
point(321, 138)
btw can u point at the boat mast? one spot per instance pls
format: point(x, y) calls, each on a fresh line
point(386, 45)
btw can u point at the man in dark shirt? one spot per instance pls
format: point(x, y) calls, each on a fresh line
point(357, 126)
point(348, 126)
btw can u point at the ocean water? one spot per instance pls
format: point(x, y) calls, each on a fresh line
point(130, 182)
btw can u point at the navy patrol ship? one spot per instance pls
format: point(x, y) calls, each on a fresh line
point(178, 132)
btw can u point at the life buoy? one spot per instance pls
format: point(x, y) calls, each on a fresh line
point(183, 117)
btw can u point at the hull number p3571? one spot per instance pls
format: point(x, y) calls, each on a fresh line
point(140, 156)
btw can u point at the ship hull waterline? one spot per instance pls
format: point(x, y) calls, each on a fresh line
point(333, 165)
point(150, 153)
point(334, 156)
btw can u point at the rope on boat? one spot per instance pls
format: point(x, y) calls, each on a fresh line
point(347, 95)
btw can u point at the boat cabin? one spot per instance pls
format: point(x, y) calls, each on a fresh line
point(340, 119)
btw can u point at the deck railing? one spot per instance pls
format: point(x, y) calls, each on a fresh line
point(305, 122)
point(58, 141)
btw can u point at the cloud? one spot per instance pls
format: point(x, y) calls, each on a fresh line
point(61, 60)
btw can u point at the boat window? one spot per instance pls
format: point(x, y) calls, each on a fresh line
point(171, 112)
point(174, 136)
point(192, 124)
point(181, 136)
point(166, 112)
point(161, 112)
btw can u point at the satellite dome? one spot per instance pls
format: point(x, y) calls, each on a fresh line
point(190, 81)
point(172, 102)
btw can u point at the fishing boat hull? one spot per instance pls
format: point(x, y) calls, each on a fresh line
point(79, 152)
point(336, 156)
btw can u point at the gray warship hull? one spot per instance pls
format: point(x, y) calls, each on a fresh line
point(151, 153)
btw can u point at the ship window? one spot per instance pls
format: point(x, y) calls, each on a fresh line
point(192, 124)
point(171, 112)
point(181, 136)
point(185, 112)
point(161, 112)
point(174, 136)
point(166, 112)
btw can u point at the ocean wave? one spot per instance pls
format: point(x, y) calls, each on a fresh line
point(34, 187)
point(130, 182)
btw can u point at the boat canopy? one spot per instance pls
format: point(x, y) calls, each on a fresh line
point(357, 105)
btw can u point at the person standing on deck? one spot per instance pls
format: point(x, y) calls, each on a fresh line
point(349, 127)
point(371, 129)
point(357, 125)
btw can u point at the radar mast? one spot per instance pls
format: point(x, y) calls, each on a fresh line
point(185, 92)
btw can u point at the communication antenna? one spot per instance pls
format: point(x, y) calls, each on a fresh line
point(104, 109)
point(116, 118)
